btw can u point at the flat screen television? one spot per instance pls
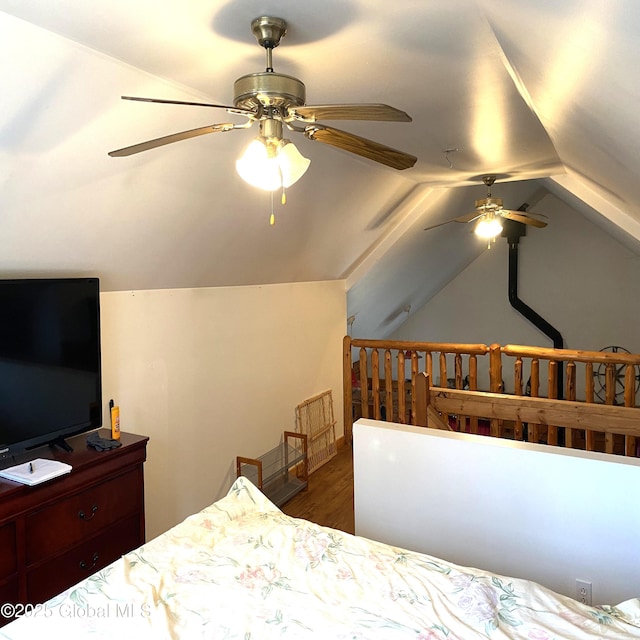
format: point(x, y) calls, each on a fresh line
point(50, 363)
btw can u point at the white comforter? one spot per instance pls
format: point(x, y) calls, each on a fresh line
point(242, 569)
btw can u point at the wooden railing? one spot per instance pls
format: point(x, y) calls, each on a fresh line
point(380, 379)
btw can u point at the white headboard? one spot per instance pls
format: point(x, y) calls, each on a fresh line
point(546, 514)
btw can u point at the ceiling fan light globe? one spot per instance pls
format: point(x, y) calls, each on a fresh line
point(257, 168)
point(488, 227)
point(293, 164)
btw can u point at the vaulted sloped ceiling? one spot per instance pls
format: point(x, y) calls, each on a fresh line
point(540, 93)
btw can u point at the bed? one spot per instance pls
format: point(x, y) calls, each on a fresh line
point(242, 569)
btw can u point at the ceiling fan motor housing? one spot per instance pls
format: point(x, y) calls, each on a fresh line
point(268, 89)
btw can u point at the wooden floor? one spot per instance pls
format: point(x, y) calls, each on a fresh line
point(328, 500)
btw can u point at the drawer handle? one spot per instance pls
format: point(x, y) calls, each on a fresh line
point(94, 558)
point(83, 516)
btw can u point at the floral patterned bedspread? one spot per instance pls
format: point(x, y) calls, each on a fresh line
point(242, 569)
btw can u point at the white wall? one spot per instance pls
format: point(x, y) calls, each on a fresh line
point(209, 374)
point(542, 513)
point(581, 280)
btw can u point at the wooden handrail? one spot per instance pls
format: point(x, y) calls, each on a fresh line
point(545, 411)
point(401, 345)
point(565, 355)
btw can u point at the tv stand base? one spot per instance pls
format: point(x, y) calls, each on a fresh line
point(62, 443)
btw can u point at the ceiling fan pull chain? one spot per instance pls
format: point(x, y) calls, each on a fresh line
point(283, 200)
point(272, 218)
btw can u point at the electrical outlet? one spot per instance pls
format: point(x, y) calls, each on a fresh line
point(583, 591)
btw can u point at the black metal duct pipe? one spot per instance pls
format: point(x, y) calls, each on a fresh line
point(513, 232)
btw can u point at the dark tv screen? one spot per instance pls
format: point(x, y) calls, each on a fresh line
point(50, 366)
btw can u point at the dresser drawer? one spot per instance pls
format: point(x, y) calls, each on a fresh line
point(74, 519)
point(8, 553)
point(54, 576)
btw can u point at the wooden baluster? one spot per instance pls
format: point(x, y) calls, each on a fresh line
point(610, 398)
point(428, 370)
point(364, 384)
point(347, 389)
point(443, 369)
point(473, 386)
point(495, 380)
point(415, 368)
point(630, 401)
point(423, 400)
point(495, 369)
point(375, 383)
point(443, 380)
point(589, 396)
point(461, 421)
point(570, 394)
point(458, 370)
point(402, 408)
point(388, 386)
point(552, 430)
point(517, 430)
point(534, 429)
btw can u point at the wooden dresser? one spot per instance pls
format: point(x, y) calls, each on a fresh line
point(55, 534)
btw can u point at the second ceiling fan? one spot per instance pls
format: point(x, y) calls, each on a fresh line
point(488, 214)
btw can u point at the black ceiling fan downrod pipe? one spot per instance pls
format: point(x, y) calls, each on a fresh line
point(514, 231)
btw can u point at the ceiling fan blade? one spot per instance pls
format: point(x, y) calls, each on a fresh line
point(380, 112)
point(175, 137)
point(465, 218)
point(361, 146)
point(519, 216)
point(191, 104)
